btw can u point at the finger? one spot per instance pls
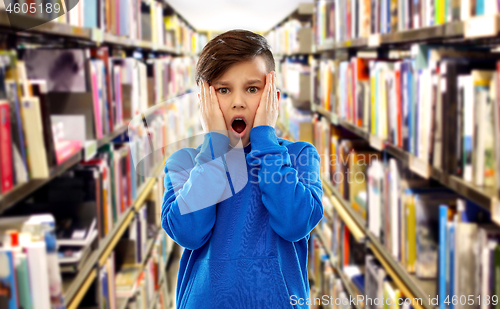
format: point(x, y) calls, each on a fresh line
point(206, 96)
point(213, 97)
point(275, 93)
point(265, 93)
point(270, 92)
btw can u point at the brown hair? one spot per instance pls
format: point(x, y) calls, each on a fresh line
point(229, 48)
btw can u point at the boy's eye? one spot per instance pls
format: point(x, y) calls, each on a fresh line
point(253, 89)
point(223, 90)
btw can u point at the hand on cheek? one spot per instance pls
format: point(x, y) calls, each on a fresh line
point(267, 112)
point(212, 119)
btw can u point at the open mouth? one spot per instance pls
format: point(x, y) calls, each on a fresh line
point(239, 125)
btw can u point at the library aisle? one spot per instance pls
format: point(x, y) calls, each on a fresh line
point(399, 97)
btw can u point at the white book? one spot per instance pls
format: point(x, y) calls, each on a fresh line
point(38, 274)
point(465, 82)
point(375, 177)
point(394, 200)
point(466, 9)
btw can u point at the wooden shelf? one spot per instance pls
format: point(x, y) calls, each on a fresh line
point(88, 36)
point(452, 31)
point(484, 197)
point(24, 190)
point(76, 289)
point(411, 286)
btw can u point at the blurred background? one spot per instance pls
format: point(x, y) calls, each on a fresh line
point(399, 97)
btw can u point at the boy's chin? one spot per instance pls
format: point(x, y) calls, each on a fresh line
point(239, 141)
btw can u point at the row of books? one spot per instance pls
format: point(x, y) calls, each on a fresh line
point(294, 77)
point(325, 280)
point(363, 275)
point(134, 19)
point(44, 242)
point(296, 121)
point(285, 38)
point(430, 230)
point(137, 283)
point(343, 20)
point(434, 234)
point(440, 106)
point(55, 100)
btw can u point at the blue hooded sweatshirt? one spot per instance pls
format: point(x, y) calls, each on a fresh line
point(250, 249)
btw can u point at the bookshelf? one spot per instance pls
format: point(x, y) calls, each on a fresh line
point(86, 36)
point(485, 197)
point(22, 191)
point(77, 287)
point(342, 85)
point(123, 206)
point(411, 286)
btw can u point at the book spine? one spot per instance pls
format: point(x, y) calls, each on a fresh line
point(443, 219)
point(95, 96)
point(6, 170)
point(450, 279)
point(496, 127)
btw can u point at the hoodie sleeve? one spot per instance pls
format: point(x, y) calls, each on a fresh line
point(291, 194)
point(191, 191)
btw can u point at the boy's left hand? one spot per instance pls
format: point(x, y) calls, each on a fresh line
point(267, 112)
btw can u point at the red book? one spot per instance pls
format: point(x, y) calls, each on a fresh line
point(103, 54)
point(6, 171)
point(346, 245)
point(65, 149)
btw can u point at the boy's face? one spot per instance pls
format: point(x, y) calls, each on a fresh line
point(239, 91)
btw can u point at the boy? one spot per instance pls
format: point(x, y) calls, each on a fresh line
point(248, 250)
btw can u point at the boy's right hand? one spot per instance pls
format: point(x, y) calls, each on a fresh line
point(212, 118)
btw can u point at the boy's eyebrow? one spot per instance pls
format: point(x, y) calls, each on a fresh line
point(220, 83)
point(248, 82)
point(254, 81)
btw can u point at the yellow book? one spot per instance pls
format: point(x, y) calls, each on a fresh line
point(411, 225)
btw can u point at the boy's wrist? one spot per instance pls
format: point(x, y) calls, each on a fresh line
point(263, 136)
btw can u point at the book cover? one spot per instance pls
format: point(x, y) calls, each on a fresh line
point(23, 283)
point(39, 88)
point(8, 284)
point(6, 171)
point(96, 100)
point(32, 124)
point(18, 138)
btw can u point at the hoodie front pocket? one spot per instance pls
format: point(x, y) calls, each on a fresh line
point(237, 283)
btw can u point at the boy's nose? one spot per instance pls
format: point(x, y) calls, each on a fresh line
point(238, 101)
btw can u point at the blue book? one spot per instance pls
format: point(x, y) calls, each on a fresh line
point(105, 290)
point(410, 109)
point(475, 213)
point(388, 15)
point(8, 299)
point(480, 7)
point(443, 220)
point(451, 261)
point(13, 93)
point(124, 21)
point(359, 282)
point(416, 119)
point(90, 14)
